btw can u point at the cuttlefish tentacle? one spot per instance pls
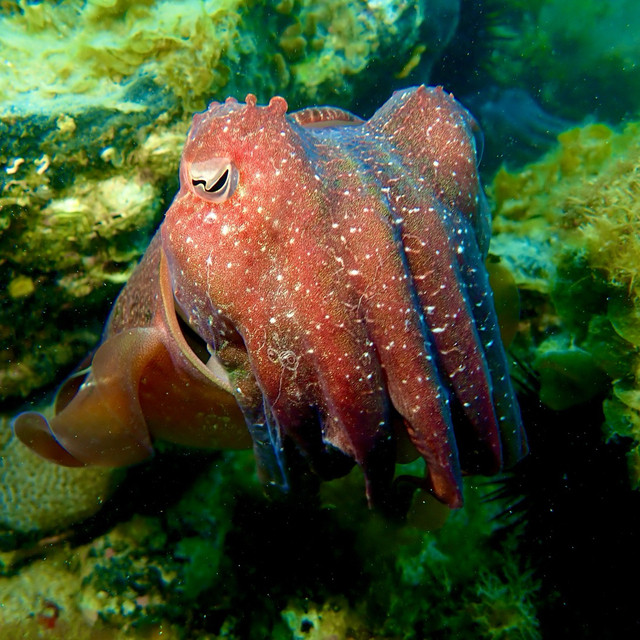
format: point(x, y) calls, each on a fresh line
point(382, 272)
point(474, 274)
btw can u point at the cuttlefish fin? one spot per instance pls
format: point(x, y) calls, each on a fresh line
point(102, 423)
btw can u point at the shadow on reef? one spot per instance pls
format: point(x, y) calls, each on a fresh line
point(580, 522)
point(148, 490)
point(516, 127)
point(242, 556)
point(189, 541)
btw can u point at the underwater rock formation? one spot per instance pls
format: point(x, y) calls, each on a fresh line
point(74, 219)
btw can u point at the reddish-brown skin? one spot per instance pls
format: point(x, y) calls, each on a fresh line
point(332, 272)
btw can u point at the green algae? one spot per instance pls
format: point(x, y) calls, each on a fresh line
point(194, 49)
point(401, 582)
point(504, 608)
point(579, 210)
point(182, 44)
point(329, 44)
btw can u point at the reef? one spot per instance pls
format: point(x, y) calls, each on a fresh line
point(74, 220)
point(567, 228)
point(38, 499)
point(219, 561)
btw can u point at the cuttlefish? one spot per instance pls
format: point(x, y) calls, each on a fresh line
point(317, 290)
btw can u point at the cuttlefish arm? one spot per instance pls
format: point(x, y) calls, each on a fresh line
point(145, 382)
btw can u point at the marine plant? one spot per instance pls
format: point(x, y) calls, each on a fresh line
point(567, 226)
point(219, 561)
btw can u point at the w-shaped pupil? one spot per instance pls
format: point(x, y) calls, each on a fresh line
point(218, 186)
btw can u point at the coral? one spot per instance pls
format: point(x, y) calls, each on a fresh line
point(568, 227)
point(38, 497)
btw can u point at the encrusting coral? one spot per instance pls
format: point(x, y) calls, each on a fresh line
point(39, 498)
point(568, 226)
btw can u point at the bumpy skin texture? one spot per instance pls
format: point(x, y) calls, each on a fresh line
point(334, 269)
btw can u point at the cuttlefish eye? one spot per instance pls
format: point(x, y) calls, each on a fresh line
point(214, 179)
